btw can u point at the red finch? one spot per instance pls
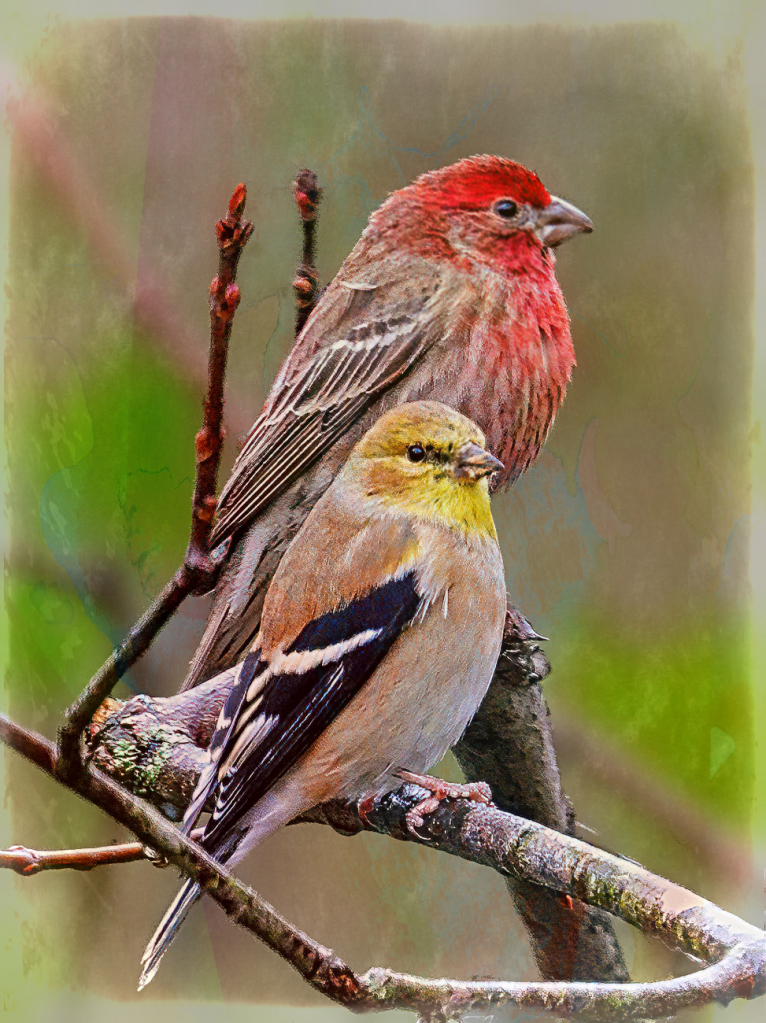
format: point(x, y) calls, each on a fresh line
point(450, 294)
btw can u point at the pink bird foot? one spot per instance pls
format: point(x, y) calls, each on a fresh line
point(476, 791)
point(363, 807)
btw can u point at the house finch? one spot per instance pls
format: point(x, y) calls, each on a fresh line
point(449, 294)
point(378, 640)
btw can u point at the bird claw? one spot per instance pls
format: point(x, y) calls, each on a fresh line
point(363, 807)
point(475, 791)
point(156, 858)
point(415, 818)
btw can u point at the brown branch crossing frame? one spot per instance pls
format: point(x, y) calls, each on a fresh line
point(734, 949)
point(517, 848)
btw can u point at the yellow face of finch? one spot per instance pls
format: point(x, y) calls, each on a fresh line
point(429, 461)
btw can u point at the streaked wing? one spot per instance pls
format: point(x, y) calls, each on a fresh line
point(289, 703)
point(317, 397)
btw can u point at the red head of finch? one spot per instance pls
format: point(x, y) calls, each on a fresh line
point(489, 225)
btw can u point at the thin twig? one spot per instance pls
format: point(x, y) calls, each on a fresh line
point(32, 861)
point(127, 653)
point(307, 195)
point(316, 964)
point(200, 567)
point(233, 233)
point(483, 834)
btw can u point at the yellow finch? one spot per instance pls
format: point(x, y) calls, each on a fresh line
point(379, 636)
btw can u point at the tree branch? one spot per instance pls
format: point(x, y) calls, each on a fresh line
point(31, 861)
point(482, 834)
point(509, 744)
point(315, 963)
point(307, 195)
point(200, 568)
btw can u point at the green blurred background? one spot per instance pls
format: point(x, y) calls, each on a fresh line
point(628, 544)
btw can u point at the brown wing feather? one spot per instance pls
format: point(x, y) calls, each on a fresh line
point(332, 375)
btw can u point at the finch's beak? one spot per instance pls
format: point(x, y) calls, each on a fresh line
point(474, 462)
point(558, 221)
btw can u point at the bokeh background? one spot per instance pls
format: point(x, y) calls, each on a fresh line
point(629, 543)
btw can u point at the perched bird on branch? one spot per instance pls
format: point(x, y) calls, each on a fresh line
point(378, 640)
point(450, 294)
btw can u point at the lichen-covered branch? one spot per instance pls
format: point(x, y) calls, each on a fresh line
point(200, 566)
point(315, 963)
point(508, 744)
point(483, 834)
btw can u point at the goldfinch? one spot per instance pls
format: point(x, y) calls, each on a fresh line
point(379, 636)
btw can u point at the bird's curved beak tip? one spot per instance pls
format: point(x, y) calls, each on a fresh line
point(560, 220)
point(474, 462)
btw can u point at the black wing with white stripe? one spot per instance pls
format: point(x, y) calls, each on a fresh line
point(224, 727)
point(383, 335)
point(284, 707)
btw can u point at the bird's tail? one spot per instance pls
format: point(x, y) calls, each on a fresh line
point(167, 930)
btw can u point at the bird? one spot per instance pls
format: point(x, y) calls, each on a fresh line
point(451, 295)
point(379, 637)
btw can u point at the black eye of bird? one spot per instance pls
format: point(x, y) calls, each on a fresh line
point(506, 208)
point(416, 453)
